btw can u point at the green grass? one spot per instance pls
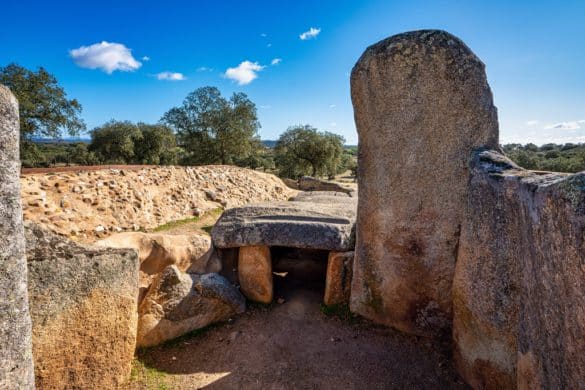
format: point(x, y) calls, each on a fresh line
point(175, 224)
point(150, 377)
point(340, 311)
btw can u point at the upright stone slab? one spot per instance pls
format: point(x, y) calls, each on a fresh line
point(255, 273)
point(16, 364)
point(422, 104)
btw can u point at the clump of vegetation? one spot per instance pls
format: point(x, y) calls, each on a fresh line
point(305, 151)
point(149, 377)
point(567, 157)
point(175, 224)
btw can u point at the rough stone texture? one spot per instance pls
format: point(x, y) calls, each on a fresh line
point(156, 251)
point(308, 183)
point(178, 303)
point(255, 273)
point(83, 309)
point(91, 204)
point(519, 289)
point(326, 197)
point(16, 363)
point(422, 104)
point(291, 224)
point(338, 280)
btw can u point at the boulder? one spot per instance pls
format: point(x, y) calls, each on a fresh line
point(308, 183)
point(338, 280)
point(16, 362)
point(290, 224)
point(422, 105)
point(156, 251)
point(178, 303)
point(83, 308)
point(519, 288)
point(255, 273)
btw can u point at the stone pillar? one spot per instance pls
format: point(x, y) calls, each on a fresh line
point(16, 364)
point(255, 273)
point(422, 105)
point(338, 280)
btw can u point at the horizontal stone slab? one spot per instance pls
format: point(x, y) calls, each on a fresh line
point(297, 224)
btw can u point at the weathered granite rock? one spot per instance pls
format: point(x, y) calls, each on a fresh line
point(178, 303)
point(83, 308)
point(156, 251)
point(255, 273)
point(16, 363)
point(326, 197)
point(422, 105)
point(289, 224)
point(308, 183)
point(338, 280)
point(519, 288)
point(485, 286)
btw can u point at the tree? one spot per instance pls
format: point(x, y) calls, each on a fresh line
point(212, 129)
point(303, 150)
point(114, 141)
point(44, 108)
point(158, 145)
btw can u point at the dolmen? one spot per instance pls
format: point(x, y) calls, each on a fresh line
point(318, 220)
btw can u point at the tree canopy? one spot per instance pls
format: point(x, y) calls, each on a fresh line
point(303, 150)
point(44, 108)
point(123, 142)
point(212, 129)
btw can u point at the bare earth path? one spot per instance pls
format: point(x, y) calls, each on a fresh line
point(294, 345)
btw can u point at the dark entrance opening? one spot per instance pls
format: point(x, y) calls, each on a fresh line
point(298, 269)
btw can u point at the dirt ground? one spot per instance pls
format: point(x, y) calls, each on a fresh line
point(296, 345)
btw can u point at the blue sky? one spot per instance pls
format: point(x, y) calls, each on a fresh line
point(534, 52)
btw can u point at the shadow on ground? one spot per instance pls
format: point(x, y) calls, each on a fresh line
point(295, 345)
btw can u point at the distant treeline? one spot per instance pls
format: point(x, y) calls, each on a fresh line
point(567, 157)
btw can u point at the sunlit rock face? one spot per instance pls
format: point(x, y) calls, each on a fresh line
point(16, 365)
point(519, 288)
point(422, 105)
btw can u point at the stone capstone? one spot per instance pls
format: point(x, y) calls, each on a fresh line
point(178, 303)
point(308, 183)
point(519, 286)
point(289, 224)
point(422, 105)
point(83, 306)
point(16, 362)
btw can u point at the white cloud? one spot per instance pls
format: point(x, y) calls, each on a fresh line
point(312, 33)
point(581, 121)
point(263, 35)
point(204, 69)
point(532, 123)
point(572, 125)
point(171, 76)
point(244, 73)
point(107, 56)
point(266, 107)
point(276, 61)
point(332, 106)
point(269, 45)
point(146, 58)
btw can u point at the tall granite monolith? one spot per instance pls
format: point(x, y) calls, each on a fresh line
point(16, 364)
point(422, 105)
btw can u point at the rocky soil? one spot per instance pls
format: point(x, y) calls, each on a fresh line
point(295, 345)
point(91, 204)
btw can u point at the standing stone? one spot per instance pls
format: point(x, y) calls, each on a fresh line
point(16, 364)
point(83, 307)
point(338, 280)
point(519, 286)
point(255, 273)
point(422, 105)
